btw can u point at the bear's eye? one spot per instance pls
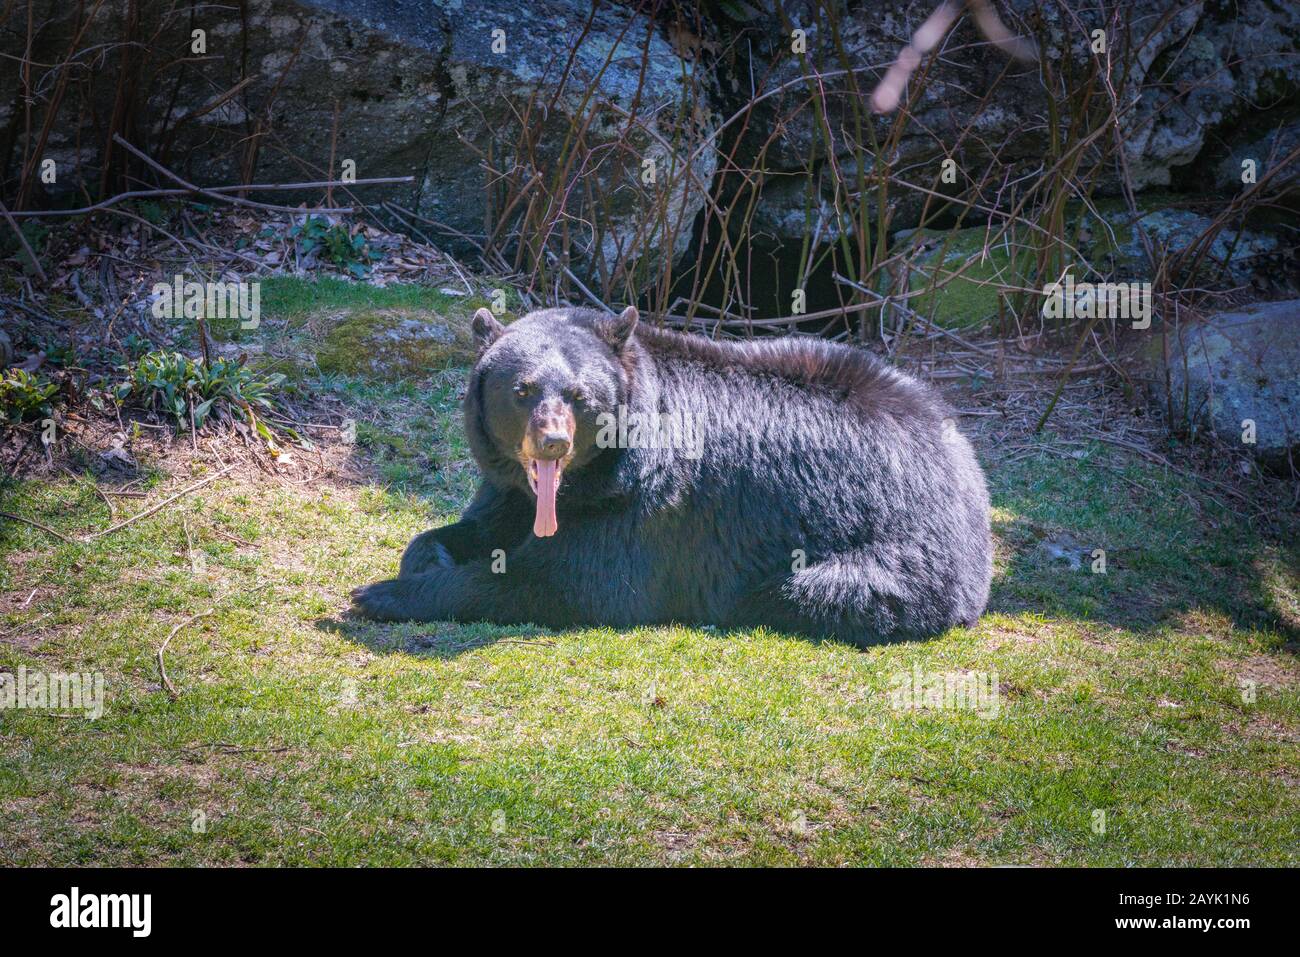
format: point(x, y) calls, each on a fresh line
point(522, 390)
point(575, 395)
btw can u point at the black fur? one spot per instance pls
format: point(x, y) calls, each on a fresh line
point(834, 497)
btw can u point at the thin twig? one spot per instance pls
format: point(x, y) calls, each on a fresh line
point(175, 192)
point(36, 263)
point(162, 668)
point(26, 624)
point(112, 509)
point(235, 200)
point(149, 511)
point(35, 524)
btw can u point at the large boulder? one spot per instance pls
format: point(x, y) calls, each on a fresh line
point(1115, 242)
point(1238, 374)
point(1264, 151)
point(391, 344)
point(1113, 247)
point(496, 61)
point(438, 90)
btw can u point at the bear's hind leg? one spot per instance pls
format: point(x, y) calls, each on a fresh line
point(851, 598)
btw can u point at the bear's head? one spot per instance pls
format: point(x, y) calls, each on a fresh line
point(538, 394)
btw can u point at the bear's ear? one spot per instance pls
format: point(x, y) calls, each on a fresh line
point(486, 330)
point(618, 331)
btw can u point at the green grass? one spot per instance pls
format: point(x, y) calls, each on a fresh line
point(294, 299)
point(411, 435)
point(306, 738)
point(330, 326)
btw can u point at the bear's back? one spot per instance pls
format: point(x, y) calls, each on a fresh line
point(800, 426)
point(852, 377)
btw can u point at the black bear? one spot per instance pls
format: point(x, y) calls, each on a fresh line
point(634, 476)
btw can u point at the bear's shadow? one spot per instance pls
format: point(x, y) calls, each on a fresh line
point(448, 639)
point(442, 639)
point(1047, 574)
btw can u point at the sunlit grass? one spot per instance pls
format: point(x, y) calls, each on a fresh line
point(306, 739)
point(1148, 715)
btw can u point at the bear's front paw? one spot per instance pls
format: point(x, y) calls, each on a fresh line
point(383, 601)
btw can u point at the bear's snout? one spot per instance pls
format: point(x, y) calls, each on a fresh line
point(550, 432)
point(555, 445)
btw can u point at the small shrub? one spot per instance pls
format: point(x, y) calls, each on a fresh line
point(183, 387)
point(25, 396)
point(339, 246)
point(135, 346)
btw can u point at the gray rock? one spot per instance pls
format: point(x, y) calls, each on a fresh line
point(1193, 73)
point(1239, 368)
point(1265, 150)
point(1233, 255)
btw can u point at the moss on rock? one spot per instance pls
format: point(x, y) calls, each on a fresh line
point(392, 343)
point(1109, 241)
point(971, 297)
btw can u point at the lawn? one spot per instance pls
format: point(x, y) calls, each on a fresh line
point(1149, 715)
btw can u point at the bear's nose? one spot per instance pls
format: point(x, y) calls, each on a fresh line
point(555, 445)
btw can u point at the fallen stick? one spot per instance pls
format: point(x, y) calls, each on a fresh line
point(36, 263)
point(27, 624)
point(235, 200)
point(233, 538)
point(169, 193)
point(112, 509)
point(190, 190)
point(227, 748)
point(90, 537)
point(162, 668)
point(149, 511)
point(35, 524)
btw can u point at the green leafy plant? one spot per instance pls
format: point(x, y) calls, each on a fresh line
point(60, 352)
point(192, 391)
point(25, 396)
point(135, 346)
point(337, 243)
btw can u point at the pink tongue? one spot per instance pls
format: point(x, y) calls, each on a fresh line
point(544, 523)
